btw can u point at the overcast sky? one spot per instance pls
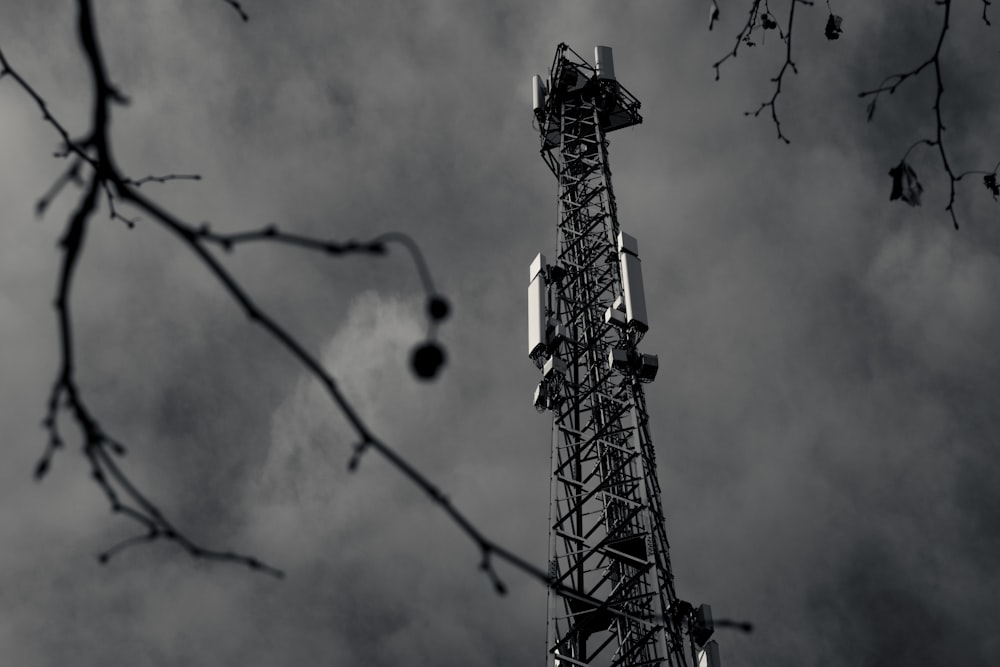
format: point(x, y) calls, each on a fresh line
point(824, 414)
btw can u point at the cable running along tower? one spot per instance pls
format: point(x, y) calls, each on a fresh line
point(611, 594)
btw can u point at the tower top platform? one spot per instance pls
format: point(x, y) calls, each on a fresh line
point(573, 79)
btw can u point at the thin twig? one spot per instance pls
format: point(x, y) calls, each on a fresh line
point(741, 37)
point(238, 8)
point(113, 212)
point(71, 174)
point(418, 257)
point(981, 172)
point(893, 81)
point(271, 233)
point(755, 20)
point(375, 246)
point(781, 73)
point(69, 145)
point(937, 113)
point(163, 179)
point(918, 142)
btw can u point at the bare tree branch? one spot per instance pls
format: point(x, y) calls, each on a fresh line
point(893, 81)
point(760, 18)
point(787, 37)
point(742, 37)
point(238, 8)
point(765, 21)
point(123, 496)
point(112, 211)
point(163, 179)
point(69, 145)
point(375, 246)
point(99, 448)
point(72, 174)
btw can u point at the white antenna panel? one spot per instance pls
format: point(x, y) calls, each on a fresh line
point(536, 307)
point(537, 95)
point(635, 295)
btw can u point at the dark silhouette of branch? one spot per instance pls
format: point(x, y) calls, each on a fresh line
point(987, 174)
point(238, 8)
point(893, 81)
point(742, 626)
point(131, 222)
point(890, 83)
point(375, 246)
point(713, 13)
point(163, 179)
point(112, 211)
point(742, 37)
point(272, 234)
point(761, 18)
point(756, 20)
point(787, 37)
point(103, 451)
point(71, 175)
point(765, 21)
point(99, 448)
point(69, 146)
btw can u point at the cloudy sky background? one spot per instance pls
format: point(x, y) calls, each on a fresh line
point(824, 413)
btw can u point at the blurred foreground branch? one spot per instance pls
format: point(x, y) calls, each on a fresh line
point(93, 168)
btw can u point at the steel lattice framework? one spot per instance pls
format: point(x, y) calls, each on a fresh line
point(612, 601)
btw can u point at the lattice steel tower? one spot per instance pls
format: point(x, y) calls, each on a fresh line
point(611, 600)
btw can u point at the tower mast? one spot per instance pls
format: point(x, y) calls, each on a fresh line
point(611, 594)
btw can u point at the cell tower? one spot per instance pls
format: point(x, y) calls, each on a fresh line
point(611, 593)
